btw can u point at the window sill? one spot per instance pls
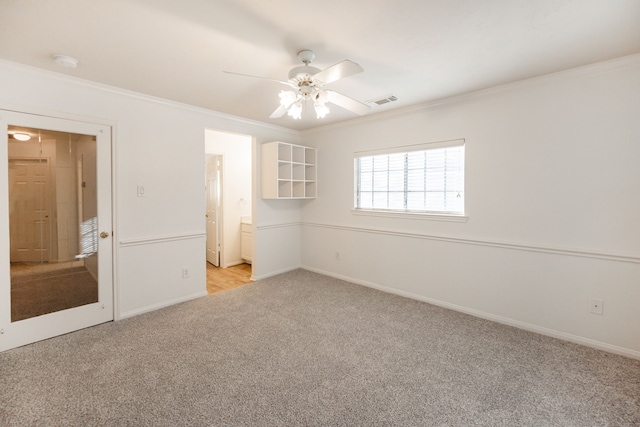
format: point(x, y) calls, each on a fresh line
point(412, 215)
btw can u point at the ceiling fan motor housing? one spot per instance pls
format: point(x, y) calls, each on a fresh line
point(303, 75)
point(307, 56)
point(303, 72)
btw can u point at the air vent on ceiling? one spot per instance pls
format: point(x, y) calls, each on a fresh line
point(384, 100)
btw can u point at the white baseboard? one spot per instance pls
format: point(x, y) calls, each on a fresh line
point(275, 273)
point(242, 261)
point(488, 316)
point(153, 307)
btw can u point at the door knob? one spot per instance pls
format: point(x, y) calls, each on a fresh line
point(104, 234)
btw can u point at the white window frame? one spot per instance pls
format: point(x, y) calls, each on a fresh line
point(402, 213)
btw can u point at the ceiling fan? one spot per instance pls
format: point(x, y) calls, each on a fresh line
point(308, 84)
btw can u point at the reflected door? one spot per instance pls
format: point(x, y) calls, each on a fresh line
point(57, 275)
point(29, 209)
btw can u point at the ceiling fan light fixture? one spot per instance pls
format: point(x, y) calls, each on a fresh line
point(320, 104)
point(287, 98)
point(295, 110)
point(321, 110)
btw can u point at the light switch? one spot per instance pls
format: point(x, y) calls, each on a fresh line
point(140, 191)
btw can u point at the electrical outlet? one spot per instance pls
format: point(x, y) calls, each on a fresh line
point(140, 191)
point(596, 306)
point(185, 272)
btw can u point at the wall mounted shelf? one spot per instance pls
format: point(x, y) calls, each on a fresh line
point(288, 171)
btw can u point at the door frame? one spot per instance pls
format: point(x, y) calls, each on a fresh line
point(12, 333)
point(219, 211)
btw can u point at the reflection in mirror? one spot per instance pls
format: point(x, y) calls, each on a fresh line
point(53, 221)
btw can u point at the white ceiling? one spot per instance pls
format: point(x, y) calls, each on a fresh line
point(417, 50)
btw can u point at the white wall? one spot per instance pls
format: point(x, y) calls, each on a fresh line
point(551, 198)
point(236, 187)
point(160, 145)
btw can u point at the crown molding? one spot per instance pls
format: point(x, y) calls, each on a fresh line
point(141, 96)
point(620, 63)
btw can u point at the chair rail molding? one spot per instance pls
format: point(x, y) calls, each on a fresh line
point(584, 253)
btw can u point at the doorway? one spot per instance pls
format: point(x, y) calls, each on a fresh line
point(232, 156)
point(55, 176)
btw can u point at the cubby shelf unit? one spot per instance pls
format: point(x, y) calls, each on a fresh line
point(288, 171)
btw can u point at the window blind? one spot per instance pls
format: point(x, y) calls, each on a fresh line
point(422, 180)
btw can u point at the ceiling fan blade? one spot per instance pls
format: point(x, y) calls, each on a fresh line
point(279, 112)
point(262, 78)
point(342, 69)
point(347, 103)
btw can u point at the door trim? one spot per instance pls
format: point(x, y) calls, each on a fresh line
point(219, 222)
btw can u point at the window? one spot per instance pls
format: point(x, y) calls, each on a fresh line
point(426, 178)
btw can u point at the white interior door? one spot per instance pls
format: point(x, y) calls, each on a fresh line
point(77, 213)
point(214, 168)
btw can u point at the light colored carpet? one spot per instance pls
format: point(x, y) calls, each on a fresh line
point(301, 349)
